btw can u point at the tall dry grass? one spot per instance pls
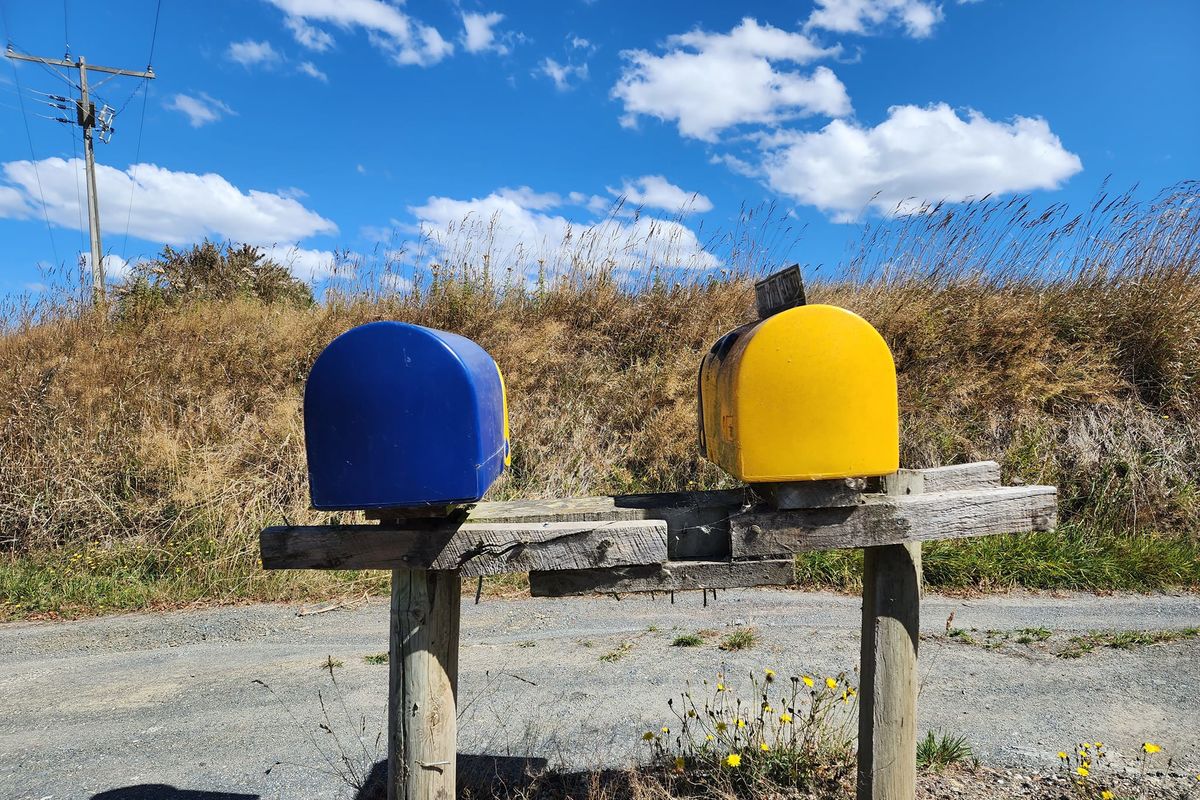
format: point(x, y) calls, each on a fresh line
point(155, 441)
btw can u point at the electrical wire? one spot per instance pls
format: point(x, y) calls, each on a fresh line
point(141, 127)
point(29, 136)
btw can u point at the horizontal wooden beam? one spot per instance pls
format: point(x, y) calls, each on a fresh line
point(976, 475)
point(474, 548)
point(883, 519)
point(674, 576)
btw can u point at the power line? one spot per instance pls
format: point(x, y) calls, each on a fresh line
point(137, 158)
point(33, 158)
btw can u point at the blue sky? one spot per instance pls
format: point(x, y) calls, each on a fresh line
point(322, 126)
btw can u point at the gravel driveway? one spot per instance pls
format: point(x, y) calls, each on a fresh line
point(124, 707)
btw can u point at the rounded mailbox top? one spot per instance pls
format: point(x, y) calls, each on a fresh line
point(805, 394)
point(398, 415)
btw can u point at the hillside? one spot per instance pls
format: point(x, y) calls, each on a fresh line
point(143, 449)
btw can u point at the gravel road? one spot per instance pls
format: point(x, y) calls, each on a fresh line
point(127, 707)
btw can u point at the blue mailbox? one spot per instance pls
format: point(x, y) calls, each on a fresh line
point(401, 416)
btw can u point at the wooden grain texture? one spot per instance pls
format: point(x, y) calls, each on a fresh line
point(884, 519)
point(422, 684)
point(976, 475)
point(475, 549)
point(812, 494)
point(673, 576)
point(887, 711)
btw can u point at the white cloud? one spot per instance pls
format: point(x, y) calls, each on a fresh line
point(170, 207)
point(579, 43)
point(916, 156)
point(12, 203)
point(115, 267)
point(561, 74)
point(525, 231)
point(479, 35)
point(253, 54)
point(707, 82)
point(655, 191)
point(404, 39)
point(917, 17)
point(308, 36)
point(199, 110)
point(312, 265)
point(310, 69)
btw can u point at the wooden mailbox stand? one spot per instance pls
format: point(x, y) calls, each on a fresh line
point(666, 542)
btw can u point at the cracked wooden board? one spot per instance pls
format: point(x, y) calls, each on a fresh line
point(474, 548)
point(674, 576)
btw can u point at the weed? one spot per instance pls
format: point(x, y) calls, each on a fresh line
point(376, 658)
point(936, 753)
point(616, 654)
point(741, 639)
point(688, 640)
point(527, 644)
point(330, 663)
point(1123, 640)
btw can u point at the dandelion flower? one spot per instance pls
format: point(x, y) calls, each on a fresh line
point(785, 718)
point(1149, 747)
point(1106, 795)
point(1082, 771)
point(1062, 755)
point(733, 760)
point(710, 738)
point(665, 729)
point(831, 683)
point(770, 675)
point(720, 687)
point(741, 723)
point(808, 681)
point(766, 748)
point(1098, 745)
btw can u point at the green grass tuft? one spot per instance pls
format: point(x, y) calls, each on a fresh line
point(936, 753)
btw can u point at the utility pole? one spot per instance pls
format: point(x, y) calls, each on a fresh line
point(87, 118)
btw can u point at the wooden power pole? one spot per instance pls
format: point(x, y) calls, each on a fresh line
point(87, 118)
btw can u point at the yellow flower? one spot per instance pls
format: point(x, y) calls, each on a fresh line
point(691, 712)
point(1106, 795)
point(720, 687)
point(764, 747)
point(721, 726)
point(1082, 771)
point(733, 760)
point(785, 718)
point(647, 736)
point(770, 675)
point(710, 738)
point(808, 681)
point(1150, 748)
point(1062, 755)
point(831, 683)
point(679, 762)
point(741, 723)
point(665, 729)
point(1098, 745)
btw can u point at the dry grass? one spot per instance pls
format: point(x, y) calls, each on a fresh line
point(143, 451)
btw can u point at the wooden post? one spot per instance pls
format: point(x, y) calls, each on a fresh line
point(423, 684)
point(887, 712)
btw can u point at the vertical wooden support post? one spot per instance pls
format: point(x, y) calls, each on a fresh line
point(423, 684)
point(887, 721)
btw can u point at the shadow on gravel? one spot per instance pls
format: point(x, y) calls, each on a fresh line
point(160, 791)
point(497, 774)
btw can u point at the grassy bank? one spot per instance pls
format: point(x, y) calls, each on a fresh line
point(143, 450)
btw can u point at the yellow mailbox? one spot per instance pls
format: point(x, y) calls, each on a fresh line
point(805, 394)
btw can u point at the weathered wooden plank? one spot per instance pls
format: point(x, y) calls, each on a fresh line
point(883, 520)
point(673, 576)
point(569, 509)
point(957, 477)
point(423, 684)
point(887, 712)
point(812, 494)
point(475, 549)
